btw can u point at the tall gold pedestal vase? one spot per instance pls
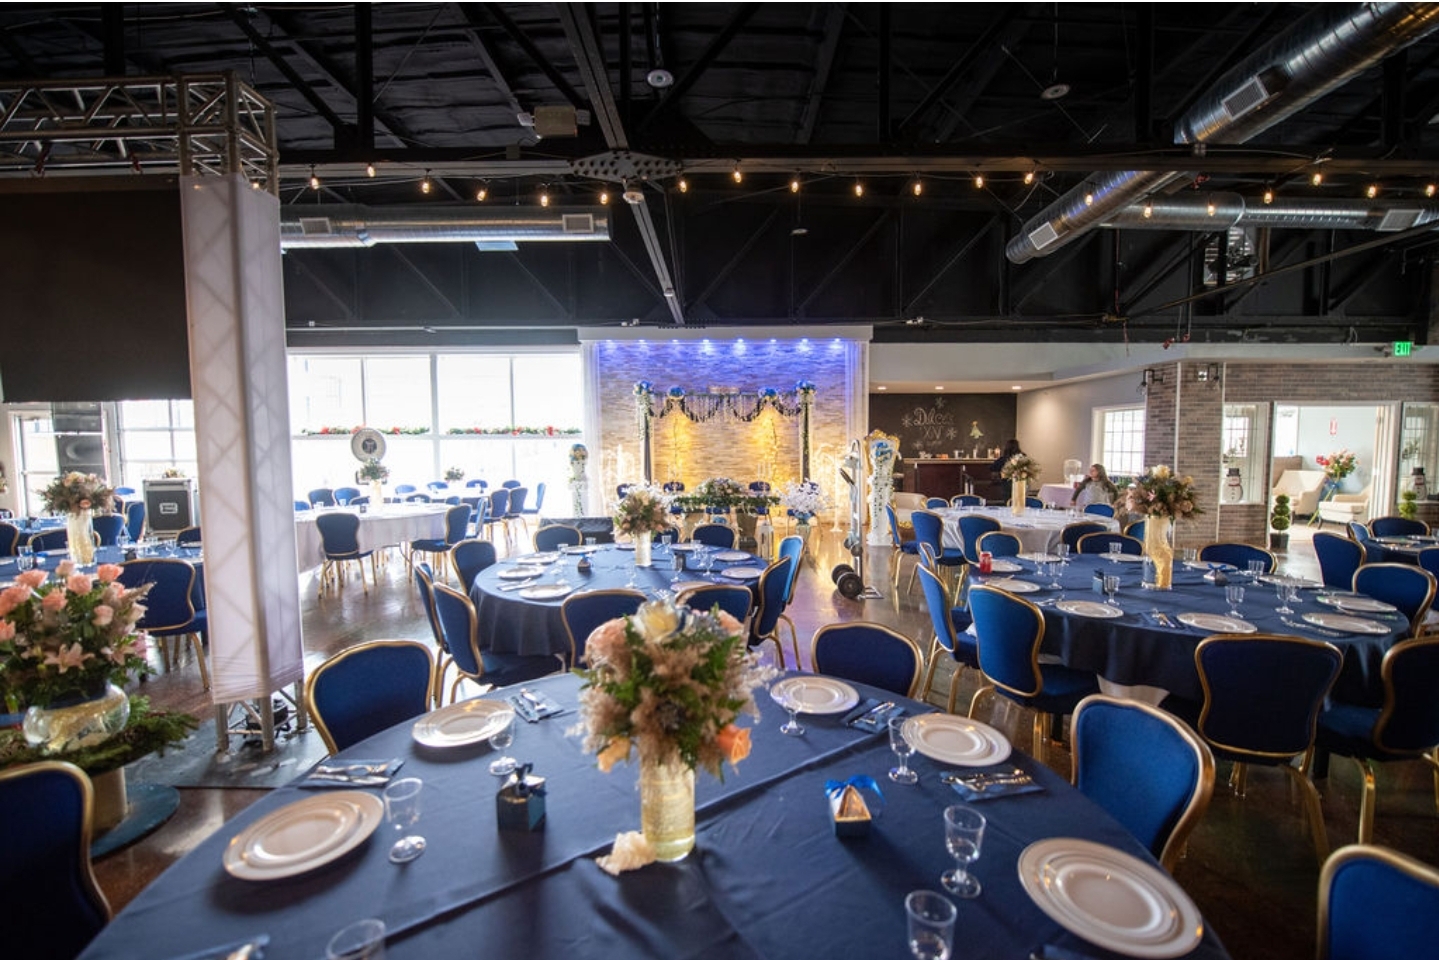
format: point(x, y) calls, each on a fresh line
point(80, 533)
point(1159, 547)
point(1018, 491)
point(667, 808)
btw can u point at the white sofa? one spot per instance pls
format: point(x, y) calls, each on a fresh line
point(1345, 507)
point(1303, 488)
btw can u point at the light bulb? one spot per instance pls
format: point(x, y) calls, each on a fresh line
point(1317, 179)
point(738, 175)
point(1088, 199)
point(1028, 177)
point(1268, 195)
point(1371, 191)
point(482, 194)
point(369, 169)
point(794, 185)
point(684, 185)
point(858, 189)
point(544, 198)
point(1148, 209)
point(918, 187)
point(979, 181)
point(604, 197)
point(1209, 207)
point(1429, 190)
point(425, 183)
point(314, 180)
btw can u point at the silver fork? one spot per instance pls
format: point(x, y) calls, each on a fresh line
point(1299, 625)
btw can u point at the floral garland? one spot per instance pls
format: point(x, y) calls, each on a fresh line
point(514, 431)
point(343, 431)
point(579, 457)
point(703, 407)
point(883, 449)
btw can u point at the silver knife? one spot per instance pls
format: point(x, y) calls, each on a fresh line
point(874, 711)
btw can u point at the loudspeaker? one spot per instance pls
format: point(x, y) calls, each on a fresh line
point(170, 505)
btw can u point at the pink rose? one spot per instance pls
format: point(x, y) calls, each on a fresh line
point(605, 641)
point(32, 578)
point(54, 601)
point(103, 615)
point(107, 572)
point(7, 631)
point(64, 568)
point(80, 583)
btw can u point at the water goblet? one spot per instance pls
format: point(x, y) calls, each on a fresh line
point(1234, 593)
point(402, 808)
point(963, 834)
point(503, 766)
point(590, 541)
point(931, 924)
point(1054, 567)
point(25, 557)
point(1284, 589)
point(1111, 589)
point(1189, 554)
point(1256, 569)
point(361, 940)
point(790, 702)
point(1115, 548)
point(1062, 551)
point(902, 749)
point(706, 560)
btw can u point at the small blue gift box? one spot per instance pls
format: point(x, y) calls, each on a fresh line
point(849, 809)
point(520, 804)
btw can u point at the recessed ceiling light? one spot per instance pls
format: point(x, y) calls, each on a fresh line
point(1054, 91)
point(881, 387)
point(939, 388)
point(1016, 387)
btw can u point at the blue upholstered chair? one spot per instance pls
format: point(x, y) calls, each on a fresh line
point(515, 510)
point(736, 599)
point(1135, 530)
point(1092, 543)
point(460, 627)
point(936, 503)
point(1000, 543)
point(1404, 585)
point(55, 538)
point(1398, 527)
point(435, 488)
point(471, 556)
point(1238, 555)
point(867, 653)
point(760, 488)
point(9, 539)
point(344, 495)
point(299, 505)
point(929, 530)
point(1009, 631)
point(1359, 533)
point(1338, 557)
point(367, 688)
point(1034, 503)
point(418, 497)
point(424, 579)
point(321, 497)
point(1099, 509)
point(125, 492)
point(476, 482)
point(511, 484)
point(971, 528)
point(558, 535)
point(715, 535)
point(1148, 769)
point(170, 606)
point(403, 490)
point(533, 509)
point(499, 507)
point(107, 527)
point(189, 536)
point(1262, 697)
point(1072, 532)
point(457, 527)
point(769, 614)
point(49, 890)
point(966, 500)
point(340, 544)
point(583, 612)
point(900, 548)
point(1429, 560)
point(1377, 904)
point(792, 547)
point(949, 623)
point(1404, 727)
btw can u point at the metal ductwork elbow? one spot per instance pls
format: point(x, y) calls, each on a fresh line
point(309, 227)
point(1323, 52)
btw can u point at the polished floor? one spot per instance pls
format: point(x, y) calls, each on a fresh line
point(1250, 864)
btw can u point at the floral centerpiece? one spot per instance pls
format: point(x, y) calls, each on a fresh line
point(803, 499)
point(78, 496)
point(722, 493)
point(373, 470)
point(1161, 497)
point(669, 683)
point(68, 640)
point(454, 474)
point(1020, 470)
point(640, 512)
point(1338, 465)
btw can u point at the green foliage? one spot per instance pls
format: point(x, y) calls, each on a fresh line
point(146, 732)
point(1409, 505)
point(1280, 516)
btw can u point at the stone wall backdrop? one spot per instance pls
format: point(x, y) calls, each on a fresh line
point(767, 448)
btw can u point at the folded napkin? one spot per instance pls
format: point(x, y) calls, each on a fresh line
point(353, 773)
point(533, 706)
point(256, 950)
point(988, 784)
point(865, 717)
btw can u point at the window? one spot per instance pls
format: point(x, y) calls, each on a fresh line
point(1121, 440)
point(155, 436)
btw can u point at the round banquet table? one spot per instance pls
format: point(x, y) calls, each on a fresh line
point(1038, 530)
point(767, 879)
point(1137, 650)
point(380, 526)
point(48, 559)
point(510, 622)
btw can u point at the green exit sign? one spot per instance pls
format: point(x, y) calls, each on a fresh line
point(1402, 348)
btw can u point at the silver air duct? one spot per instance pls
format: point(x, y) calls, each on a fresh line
point(1325, 51)
point(1191, 212)
point(306, 227)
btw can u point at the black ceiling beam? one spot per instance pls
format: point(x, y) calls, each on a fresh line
point(364, 75)
point(1391, 129)
point(1287, 246)
point(1031, 282)
point(301, 85)
point(724, 272)
point(470, 15)
point(627, 66)
point(397, 251)
point(541, 286)
point(884, 69)
point(1144, 74)
point(716, 46)
point(983, 44)
point(541, 62)
point(949, 264)
point(834, 20)
point(1165, 261)
point(1361, 276)
point(839, 266)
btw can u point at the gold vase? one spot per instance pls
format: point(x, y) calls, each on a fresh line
point(667, 808)
point(80, 534)
point(1160, 548)
point(1018, 490)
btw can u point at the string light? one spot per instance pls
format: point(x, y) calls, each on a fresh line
point(483, 193)
point(1268, 195)
point(858, 189)
point(1317, 179)
point(1429, 190)
point(1371, 191)
point(918, 186)
point(979, 181)
point(604, 197)
point(684, 185)
point(425, 184)
point(1148, 209)
point(1209, 206)
point(545, 195)
point(1089, 199)
point(738, 174)
point(314, 180)
point(369, 169)
point(794, 185)
point(1028, 177)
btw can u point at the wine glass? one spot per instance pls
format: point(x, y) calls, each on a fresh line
point(1054, 567)
point(503, 766)
point(1115, 548)
point(1062, 551)
point(902, 748)
point(1284, 590)
point(1111, 588)
point(1256, 569)
point(25, 557)
point(1234, 593)
point(931, 924)
point(963, 834)
point(791, 703)
point(402, 808)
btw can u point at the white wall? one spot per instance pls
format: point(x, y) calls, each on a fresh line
point(1354, 429)
point(1057, 423)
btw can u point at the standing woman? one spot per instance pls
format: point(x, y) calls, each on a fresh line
point(1010, 449)
point(1095, 488)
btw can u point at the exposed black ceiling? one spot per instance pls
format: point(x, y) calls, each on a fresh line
point(834, 96)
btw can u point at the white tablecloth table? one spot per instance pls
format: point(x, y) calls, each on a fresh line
point(1038, 530)
point(1058, 494)
point(379, 527)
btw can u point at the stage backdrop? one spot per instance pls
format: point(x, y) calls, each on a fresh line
point(963, 425)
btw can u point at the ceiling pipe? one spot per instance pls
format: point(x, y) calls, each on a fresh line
point(1326, 50)
point(1221, 210)
point(309, 227)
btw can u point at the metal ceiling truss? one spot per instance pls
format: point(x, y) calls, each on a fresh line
point(190, 124)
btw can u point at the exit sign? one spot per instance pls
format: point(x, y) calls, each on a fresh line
point(1402, 348)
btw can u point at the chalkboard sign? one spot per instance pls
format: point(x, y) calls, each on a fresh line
point(955, 424)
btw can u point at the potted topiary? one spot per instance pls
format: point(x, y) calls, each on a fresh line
point(1409, 504)
point(1279, 519)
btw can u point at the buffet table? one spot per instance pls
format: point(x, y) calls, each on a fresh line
point(768, 878)
point(1038, 530)
point(380, 526)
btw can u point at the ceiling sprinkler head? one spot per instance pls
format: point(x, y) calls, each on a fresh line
point(1054, 91)
point(659, 78)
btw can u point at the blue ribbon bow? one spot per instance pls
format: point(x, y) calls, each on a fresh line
point(834, 788)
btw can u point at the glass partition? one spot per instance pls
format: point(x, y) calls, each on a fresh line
point(1243, 445)
point(1419, 449)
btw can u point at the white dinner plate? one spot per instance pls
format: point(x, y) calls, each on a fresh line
point(1013, 585)
point(550, 556)
point(1356, 604)
point(579, 549)
point(1124, 557)
point(547, 591)
point(685, 547)
point(742, 573)
point(627, 545)
point(464, 723)
point(1004, 566)
point(1088, 608)
point(1039, 557)
point(1347, 624)
point(1302, 583)
point(729, 556)
point(1216, 623)
point(815, 694)
point(520, 573)
point(956, 740)
point(1201, 565)
point(303, 835)
point(1110, 898)
point(684, 585)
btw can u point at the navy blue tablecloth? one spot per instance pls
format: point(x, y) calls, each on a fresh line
point(1133, 649)
point(768, 877)
point(49, 559)
point(511, 623)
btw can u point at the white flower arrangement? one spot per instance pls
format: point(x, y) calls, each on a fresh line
point(804, 499)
